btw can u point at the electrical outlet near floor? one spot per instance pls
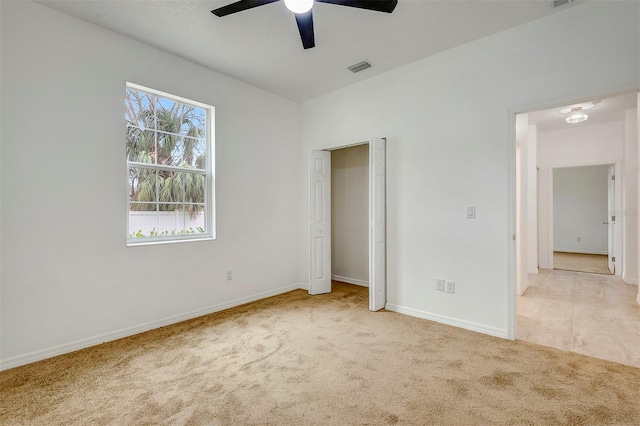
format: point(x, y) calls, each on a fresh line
point(440, 284)
point(451, 286)
point(229, 275)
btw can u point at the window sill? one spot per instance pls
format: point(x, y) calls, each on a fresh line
point(131, 243)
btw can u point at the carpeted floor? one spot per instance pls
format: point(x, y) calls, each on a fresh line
point(581, 262)
point(322, 360)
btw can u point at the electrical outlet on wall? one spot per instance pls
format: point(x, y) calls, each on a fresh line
point(579, 239)
point(440, 284)
point(229, 275)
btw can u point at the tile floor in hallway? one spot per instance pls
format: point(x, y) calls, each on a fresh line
point(590, 314)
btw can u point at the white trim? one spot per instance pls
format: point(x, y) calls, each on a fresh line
point(581, 251)
point(159, 240)
point(303, 286)
point(544, 266)
point(550, 235)
point(525, 286)
point(633, 281)
point(52, 351)
point(165, 94)
point(169, 168)
point(350, 280)
point(638, 298)
point(467, 325)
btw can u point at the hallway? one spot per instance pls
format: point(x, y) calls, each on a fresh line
point(589, 314)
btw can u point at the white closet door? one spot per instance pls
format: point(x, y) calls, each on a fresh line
point(320, 229)
point(377, 225)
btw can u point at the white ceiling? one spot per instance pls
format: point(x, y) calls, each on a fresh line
point(607, 110)
point(262, 47)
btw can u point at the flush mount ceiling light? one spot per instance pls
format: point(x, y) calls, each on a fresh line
point(577, 111)
point(583, 106)
point(577, 115)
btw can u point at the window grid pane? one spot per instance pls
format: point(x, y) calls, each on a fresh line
point(167, 157)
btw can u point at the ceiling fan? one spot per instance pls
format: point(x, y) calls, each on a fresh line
point(303, 11)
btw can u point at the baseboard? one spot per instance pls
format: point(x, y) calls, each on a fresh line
point(467, 325)
point(581, 251)
point(629, 280)
point(638, 299)
point(525, 286)
point(50, 352)
point(303, 286)
point(544, 266)
point(350, 280)
point(533, 271)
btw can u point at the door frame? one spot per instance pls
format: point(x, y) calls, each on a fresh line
point(617, 235)
point(371, 217)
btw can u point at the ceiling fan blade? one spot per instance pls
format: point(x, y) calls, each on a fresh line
point(239, 6)
point(377, 5)
point(305, 26)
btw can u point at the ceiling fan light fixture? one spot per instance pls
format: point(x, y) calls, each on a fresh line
point(577, 115)
point(299, 6)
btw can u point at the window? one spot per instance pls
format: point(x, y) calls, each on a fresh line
point(169, 164)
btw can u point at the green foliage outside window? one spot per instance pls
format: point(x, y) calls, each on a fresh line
point(164, 132)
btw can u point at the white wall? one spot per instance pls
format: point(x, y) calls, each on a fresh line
point(630, 196)
point(70, 281)
point(450, 143)
point(532, 199)
point(350, 214)
point(545, 256)
point(1, 109)
point(584, 145)
point(521, 272)
point(580, 208)
point(577, 146)
point(638, 176)
point(526, 202)
point(522, 197)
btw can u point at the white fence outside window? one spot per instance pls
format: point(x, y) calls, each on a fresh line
point(175, 221)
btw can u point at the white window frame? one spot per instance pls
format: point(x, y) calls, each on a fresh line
point(209, 173)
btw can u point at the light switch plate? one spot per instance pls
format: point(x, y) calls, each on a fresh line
point(451, 286)
point(471, 212)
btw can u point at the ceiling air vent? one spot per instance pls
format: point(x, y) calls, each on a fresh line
point(558, 3)
point(359, 67)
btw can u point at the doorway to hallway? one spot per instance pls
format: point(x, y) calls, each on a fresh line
point(595, 312)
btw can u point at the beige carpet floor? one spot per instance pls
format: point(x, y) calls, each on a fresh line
point(322, 360)
point(581, 262)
